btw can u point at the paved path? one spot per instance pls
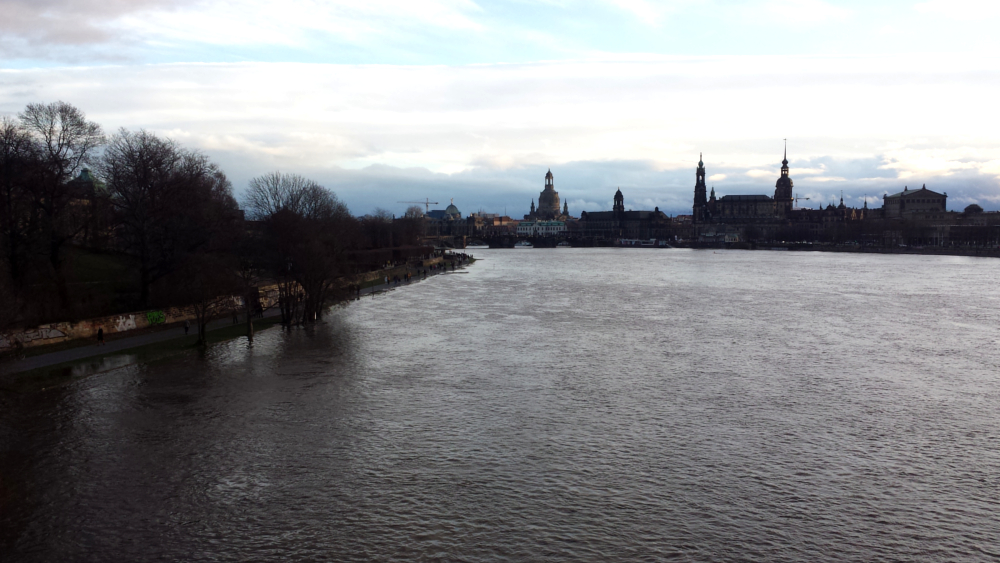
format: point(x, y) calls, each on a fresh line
point(120, 344)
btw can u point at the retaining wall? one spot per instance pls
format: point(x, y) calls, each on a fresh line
point(54, 333)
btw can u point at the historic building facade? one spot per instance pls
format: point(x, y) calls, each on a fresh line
point(913, 202)
point(743, 208)
point(541, 228)
point(620, 224)
point(762, 216)
point(548, 203)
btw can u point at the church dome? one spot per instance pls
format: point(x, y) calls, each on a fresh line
point(452, 210)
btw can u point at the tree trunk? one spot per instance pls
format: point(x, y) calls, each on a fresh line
point(144, 282)
point(249, 310)
point(202, 329)
point(55, 258)
point(201, 317)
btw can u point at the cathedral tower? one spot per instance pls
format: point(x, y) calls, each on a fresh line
point(783, 189)
point(699, 192)
point(619, 202)
point(548, 200)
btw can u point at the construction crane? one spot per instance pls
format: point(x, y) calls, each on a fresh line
point(426, 203)
point(797, 198)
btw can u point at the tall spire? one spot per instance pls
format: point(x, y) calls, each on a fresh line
point(784, 161)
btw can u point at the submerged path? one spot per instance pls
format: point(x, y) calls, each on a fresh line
point(127, 343)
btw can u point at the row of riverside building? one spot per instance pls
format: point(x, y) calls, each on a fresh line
point(910, 217)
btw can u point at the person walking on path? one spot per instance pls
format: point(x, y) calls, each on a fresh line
point(187, 327)
point(100, 336)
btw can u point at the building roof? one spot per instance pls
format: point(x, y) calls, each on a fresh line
point(611, 215)
point(922, 192)
point(746, 198)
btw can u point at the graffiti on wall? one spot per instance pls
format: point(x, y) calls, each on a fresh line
point(123, 324)
point(8, 340)
point(155, 318)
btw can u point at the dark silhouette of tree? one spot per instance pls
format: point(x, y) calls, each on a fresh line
point(410, 227)
point(169, 202)
point(307, 232)
point(18, 216)
point(208, 282)
point(250, 270)
point(378, 228)
point(64, 142)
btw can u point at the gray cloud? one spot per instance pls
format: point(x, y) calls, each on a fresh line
point(40, 29)
point(489, 132)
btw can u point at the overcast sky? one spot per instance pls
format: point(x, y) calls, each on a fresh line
point(399, 100)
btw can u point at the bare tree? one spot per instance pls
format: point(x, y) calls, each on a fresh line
point(308, 231)
point(378, 228)
point(65, 142)
point(18, 215)
point(210, 281)
point(11, 305)
point(250, 268)
point(274, 192)
point(169, 202)
point(413, 212)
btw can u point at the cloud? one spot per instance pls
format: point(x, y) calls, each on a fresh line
point(487, 133)
point(43, 28)
point(793, 12)
point(652, 12)
point(963, 10)
point(39, 29)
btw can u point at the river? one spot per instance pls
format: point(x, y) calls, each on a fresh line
point(547, 405)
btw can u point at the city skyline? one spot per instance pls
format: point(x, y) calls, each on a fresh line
point(376, 102)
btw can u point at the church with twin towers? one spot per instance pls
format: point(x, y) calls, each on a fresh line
point(769, 216)
point(709, 209)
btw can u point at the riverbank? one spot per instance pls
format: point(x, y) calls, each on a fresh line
point(54, 364)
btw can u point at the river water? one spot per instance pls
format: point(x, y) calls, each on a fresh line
point(547, 405)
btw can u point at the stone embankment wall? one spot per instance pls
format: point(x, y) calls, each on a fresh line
point(379, 274)
point(54, 333)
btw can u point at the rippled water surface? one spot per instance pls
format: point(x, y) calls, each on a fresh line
point(547, 405)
